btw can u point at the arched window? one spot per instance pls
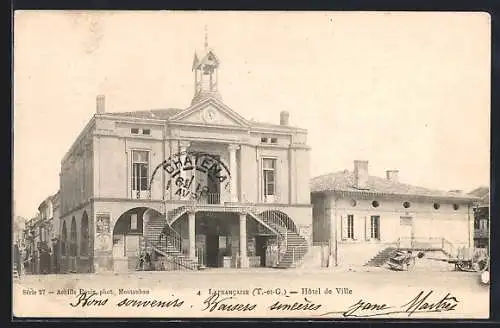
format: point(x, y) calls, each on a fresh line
point(64, 239)
point(72, 238)
point(84, 244)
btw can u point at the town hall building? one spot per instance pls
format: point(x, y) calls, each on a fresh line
point(189, 188)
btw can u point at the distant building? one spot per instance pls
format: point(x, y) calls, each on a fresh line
point(54, 233)
point(358, 216)
point(39, 245)
point(194, 186)
point(31, 240)
point(481, 217)
point(19, 224)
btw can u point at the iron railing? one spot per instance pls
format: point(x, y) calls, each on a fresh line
point(173, 214)
point(177, 263)
point(170, 238)
point(278, 225)
point(209, 198)
point(426, 244)
point(298, 253)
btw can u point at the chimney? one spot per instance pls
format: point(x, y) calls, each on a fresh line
point(361, 174)
point(392, 175)
point(100, 104)
point(284, 117)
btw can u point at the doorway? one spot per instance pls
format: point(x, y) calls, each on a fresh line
point(212, 247)
point(406, 232)
point(213, 184)
point(260, 248)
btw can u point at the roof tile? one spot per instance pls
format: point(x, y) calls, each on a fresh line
point(344, 181)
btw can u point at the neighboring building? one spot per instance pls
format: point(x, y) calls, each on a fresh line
point(360, 216)
point(39, 240)
point(54, 235)
point(19, 224)
point(31, 240)
point(481, 217)
point(231, 192)
point(18, 227)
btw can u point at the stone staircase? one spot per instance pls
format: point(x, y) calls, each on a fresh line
point(381, 257)
point(296, 245)
point(167, 243)
point(295, 251)
point(415, 244)
point(175, 213)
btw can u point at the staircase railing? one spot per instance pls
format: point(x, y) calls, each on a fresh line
point(279, 226)
point(168, 257)
point(297, 254)
point(172, 237)
point(426, 243)
point(173, 214)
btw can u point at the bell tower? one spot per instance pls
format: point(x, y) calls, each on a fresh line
point(205, 74)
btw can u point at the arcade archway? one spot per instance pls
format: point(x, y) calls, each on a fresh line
point(128, 237)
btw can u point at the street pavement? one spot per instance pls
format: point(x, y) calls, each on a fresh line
point(226, 278)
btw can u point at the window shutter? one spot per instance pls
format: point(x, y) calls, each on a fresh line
point(343, 226)
point(367, 227)
point(379, 228)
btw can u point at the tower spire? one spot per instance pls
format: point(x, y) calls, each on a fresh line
point(205, 74)
point(206, 38)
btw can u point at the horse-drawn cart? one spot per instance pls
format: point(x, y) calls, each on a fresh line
point(403, 260)
point(468, 259)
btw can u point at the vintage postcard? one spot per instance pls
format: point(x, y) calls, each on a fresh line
point(251, 164)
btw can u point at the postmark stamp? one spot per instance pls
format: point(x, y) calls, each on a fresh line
point(194, 175)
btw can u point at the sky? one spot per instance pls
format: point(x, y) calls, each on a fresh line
point(405, 91)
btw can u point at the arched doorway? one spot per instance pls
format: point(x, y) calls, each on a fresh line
point(64, 245)
point(128, 238)
point(84, 262)
point(73, 246)
point(84, 240)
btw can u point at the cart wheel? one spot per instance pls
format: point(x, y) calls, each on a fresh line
point(460, 266)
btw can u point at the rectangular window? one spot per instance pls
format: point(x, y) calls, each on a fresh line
point(350, 226)
point(274, 140)
point(263, 140)
point(483, 225)
point(375, 227)
point(146, 131)
point(133, 222)
point(140, 170)
point(269, 176)
point(134, 131)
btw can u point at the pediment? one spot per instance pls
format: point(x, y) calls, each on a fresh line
point(210, 112)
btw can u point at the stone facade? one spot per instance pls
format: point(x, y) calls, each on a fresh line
point(116, 170)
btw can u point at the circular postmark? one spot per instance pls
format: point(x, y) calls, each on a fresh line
point(195, 175)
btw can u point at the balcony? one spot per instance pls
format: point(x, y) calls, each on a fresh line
point(141, 194)
point(209, 198)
